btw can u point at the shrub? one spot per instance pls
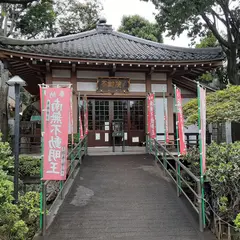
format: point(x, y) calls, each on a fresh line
point(29, 166)
point(223, 167)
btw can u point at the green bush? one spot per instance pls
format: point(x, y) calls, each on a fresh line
point(6, 160)
point(29, 166)
point(17, 222)
point(223, 174)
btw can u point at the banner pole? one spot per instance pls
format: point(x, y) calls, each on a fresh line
point(178, 150)
point(201, 159)
point(42, 156)
point(146, 119)
point(165, 133)
point(155, 123)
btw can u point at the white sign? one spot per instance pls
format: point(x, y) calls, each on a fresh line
point(106, 137)
point(125, 136)
point(97, 136)
point(135, 139)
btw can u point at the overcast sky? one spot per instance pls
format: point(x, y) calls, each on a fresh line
point(115, 9)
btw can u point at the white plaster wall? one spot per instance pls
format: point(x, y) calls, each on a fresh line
point(91, 74)
point(159, 88)
point(61, 73)
point(131, 75)
point(86, 86)
point(160, 116)
point(159, 76)
point(137, 87)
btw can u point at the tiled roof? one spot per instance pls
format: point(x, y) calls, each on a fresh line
point(103, 43)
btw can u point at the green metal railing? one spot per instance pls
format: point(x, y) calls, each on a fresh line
point(177, 173)
point(75, 155)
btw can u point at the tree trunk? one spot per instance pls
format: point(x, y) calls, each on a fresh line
point(232, 70)
point(3, 102)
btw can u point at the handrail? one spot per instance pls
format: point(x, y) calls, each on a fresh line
point(72, 168)
point(156, 148)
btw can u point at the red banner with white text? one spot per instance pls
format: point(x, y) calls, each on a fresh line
point(151, 117)
point(55, 137)
point(81, 126)
point(203, 126)
point(86, 115)
point(181, 135)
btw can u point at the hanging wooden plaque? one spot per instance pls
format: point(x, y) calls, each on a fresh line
point(113, 85)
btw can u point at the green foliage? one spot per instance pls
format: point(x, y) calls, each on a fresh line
point(29, 166)
point(6, 160)
point(223, 166)
point(37, 19)
point(17, 222)
point(237, 222)
point(30, 208)
point(6, 188)
point(222, 106)
point(77, 16)
point(140, 27)
point(208, 41)
point(11, 226)
point(198, 18)
point(223, 173)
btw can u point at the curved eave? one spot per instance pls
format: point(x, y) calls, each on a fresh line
point(34, 56)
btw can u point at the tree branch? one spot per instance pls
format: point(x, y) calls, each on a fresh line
point(17, 1)
point(218, 17)
point(211, 26)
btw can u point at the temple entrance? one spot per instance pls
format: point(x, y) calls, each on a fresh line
point(103, 111)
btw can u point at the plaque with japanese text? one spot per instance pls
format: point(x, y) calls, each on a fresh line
point(113, 85)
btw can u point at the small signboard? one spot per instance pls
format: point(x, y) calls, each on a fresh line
point(113, 85)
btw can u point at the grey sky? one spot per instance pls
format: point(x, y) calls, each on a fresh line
point(115, 9)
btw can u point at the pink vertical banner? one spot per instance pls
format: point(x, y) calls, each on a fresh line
point(56, 120)
point(151, 117)
point(166, 123)
point(181, 135)
point(81, 126)
point(86, 116)
point(203, 126)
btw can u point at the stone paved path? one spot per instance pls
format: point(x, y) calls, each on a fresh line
point(124, 198)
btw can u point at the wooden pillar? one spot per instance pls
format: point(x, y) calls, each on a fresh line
point(49, 77)
point(170, 102)
point(148, 82)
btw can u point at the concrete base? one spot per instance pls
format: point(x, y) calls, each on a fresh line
point(105, 151)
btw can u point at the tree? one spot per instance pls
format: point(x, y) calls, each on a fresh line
point(38, 20)
point(222, 106)
point(140, 27)
point(208, 41)
point(198, 17)
point(75, 16)
point(48, 18)
point(216, 78)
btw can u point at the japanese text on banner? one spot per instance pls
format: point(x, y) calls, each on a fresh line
point(180, 122)
point(86, 116)
point(56, 120)
point(151, 117)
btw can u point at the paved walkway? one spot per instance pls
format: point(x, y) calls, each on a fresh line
point(124, 198)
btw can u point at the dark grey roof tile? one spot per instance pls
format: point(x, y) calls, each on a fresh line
point(107, 44)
